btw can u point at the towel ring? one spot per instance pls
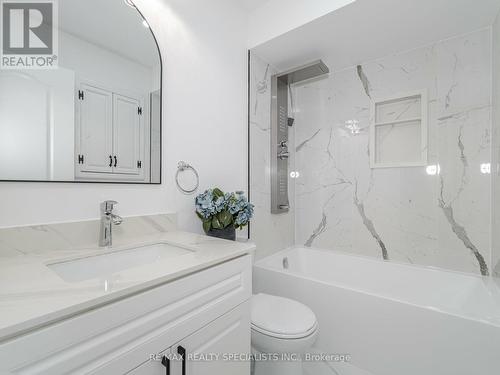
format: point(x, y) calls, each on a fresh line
point(181, 167)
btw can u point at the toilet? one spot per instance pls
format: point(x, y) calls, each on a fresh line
point(282, 331)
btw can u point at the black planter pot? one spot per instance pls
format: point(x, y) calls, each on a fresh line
point(228, 233)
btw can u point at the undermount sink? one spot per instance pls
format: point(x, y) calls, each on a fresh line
point(103, 265)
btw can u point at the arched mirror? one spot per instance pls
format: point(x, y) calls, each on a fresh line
point(80, 94)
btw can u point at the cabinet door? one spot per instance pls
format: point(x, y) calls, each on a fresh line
point(212, 349)
point(95, 131)
point(127, 132)
point(156, 366)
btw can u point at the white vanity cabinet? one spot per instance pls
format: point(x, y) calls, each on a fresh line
point(206, 314)
point(110, 135)
point(208, 350)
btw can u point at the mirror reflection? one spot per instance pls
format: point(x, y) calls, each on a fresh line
point(94, 117)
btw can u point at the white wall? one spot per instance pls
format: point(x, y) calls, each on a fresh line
point(204, 121)
point(277, 17)
point(34, 144)
point(108, 69)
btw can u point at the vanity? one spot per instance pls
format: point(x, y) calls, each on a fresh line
point(169, 302)
point(154, 300)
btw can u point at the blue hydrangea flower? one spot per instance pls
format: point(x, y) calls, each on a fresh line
point(244, 216)
point(205, 205)
point(240, 207)
point(209, 204)
point(237, 203)
point(222, 202)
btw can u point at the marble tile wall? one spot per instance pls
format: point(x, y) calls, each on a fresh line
point(271, 233)
point(496, 150)
point(78, 235)
point(436, 215)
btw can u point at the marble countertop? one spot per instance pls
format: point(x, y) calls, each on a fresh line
point(32, 295)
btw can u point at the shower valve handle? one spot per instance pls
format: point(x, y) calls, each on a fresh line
point(283, 155)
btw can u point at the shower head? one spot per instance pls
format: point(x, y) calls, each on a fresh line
point(304, 72)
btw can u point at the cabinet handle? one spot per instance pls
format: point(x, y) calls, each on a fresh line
point(110, 161)
point(116, 160)
point(182, 352)
point(166, 362)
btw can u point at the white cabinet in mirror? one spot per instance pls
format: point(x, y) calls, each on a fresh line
point(96, 116)
point(111, 136)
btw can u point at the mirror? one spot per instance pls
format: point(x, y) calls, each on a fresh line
point(96, 115)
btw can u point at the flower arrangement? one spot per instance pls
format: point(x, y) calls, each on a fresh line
point(219, 210)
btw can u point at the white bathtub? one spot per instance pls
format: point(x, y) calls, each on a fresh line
point(393, 319)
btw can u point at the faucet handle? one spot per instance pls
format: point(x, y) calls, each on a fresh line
point(107, 206)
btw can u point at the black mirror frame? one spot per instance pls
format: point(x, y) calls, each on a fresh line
point(161, 135)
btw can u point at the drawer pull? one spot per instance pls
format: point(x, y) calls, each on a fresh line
point(182, 352)
point(166, 362)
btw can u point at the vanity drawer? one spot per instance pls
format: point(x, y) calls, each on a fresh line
point(132, 328)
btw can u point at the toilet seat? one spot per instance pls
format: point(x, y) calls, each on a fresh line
point(281, 317)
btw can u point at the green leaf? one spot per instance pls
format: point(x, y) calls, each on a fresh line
point(218, 193)
point(199, 215)
point(216, 223)
point(225, 218)
point(207, 224)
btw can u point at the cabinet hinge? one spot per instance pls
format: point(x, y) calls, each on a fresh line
point(139, 111)
point(81, 95)
point(80, 159)
point(139, 164)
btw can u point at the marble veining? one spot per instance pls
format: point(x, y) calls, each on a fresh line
point(369, 225)
point(364, 80)
point(462, 235)
point(435, 215)
point(319, 229)
point(303, 143)
point(261, 87)
point(447, 207)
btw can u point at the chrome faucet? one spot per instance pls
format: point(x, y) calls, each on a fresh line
point(283, 154)
point(108, 219)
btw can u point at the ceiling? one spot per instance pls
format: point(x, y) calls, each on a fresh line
point(110, 24)
point(250, 5)
point(369, 29)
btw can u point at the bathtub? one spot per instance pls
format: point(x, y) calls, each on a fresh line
point(392, 319)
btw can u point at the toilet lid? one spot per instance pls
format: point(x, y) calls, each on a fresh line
point(281, 317)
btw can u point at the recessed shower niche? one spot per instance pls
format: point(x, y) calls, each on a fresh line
point(398, 131)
